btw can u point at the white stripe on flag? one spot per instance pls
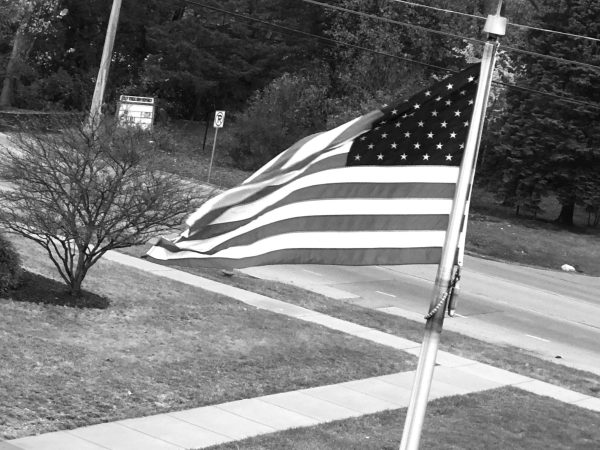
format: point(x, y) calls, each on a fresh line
point(242, 192)
point(318, 240)
point(317, 144)
point(338, 207)
point(358, 174)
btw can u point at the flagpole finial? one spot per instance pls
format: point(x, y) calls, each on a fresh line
point(495, 24)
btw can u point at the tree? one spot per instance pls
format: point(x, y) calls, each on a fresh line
point(31, 18)
point(81, 192)
point(290, 107)
point(546, 146)
point(203, 60)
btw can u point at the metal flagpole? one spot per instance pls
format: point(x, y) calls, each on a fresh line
point(463, 234)
point(415, 415)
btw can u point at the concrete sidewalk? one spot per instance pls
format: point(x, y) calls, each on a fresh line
point(206, 426)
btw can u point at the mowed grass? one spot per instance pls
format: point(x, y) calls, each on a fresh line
point(160, 346)
point(505, 418)
point(534, 243)
point(503, 356)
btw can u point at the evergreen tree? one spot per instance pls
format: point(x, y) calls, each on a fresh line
point(548, 146)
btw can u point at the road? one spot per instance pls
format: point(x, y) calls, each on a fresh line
point(554, 314)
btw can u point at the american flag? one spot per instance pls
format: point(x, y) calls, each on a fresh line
point(376, 190)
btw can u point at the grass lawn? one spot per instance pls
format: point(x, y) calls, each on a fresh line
point(506, 357)
point(159, 346)
point(495, 232)
point(505, 418)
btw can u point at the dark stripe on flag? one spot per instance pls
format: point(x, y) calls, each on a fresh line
point(347, 257)
point(337, 223)
point(331, 191)
point(333, 162)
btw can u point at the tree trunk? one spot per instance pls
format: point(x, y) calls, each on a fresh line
point(18, 53)
point(566, 214)
point(75, 286)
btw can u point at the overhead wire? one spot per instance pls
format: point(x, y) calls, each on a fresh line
point(475, 16)
point(311, 35)
point(358, 47)
point(429, 30)
point(392, 21)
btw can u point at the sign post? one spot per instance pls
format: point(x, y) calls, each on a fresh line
point(219, 120)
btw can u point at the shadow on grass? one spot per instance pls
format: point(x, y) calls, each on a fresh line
point(38, 289)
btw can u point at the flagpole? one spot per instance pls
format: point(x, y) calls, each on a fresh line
point(415, 414)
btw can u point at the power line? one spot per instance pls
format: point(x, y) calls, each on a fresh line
point(429, 30)
point(347, 44)
point(311, 35)
point(554, 58)
point(546, 30)
point(395, 22)
point(474, 16)
point(548, 94)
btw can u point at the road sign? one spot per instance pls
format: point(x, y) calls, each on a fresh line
point(219, 119)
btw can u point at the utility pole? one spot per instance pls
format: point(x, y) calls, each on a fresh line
point(97, 100)
point(415, 416)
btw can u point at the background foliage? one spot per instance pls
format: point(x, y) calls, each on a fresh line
point(278, 85)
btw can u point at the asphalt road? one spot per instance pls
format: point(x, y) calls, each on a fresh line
point(554, 314)
point(551, 313)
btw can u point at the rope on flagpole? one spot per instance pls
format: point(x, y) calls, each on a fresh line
point(446, 294)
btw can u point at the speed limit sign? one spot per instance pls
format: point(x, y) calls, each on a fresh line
point(219, 119)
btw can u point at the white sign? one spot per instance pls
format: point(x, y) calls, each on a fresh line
point(137, 111)
point(219, 119)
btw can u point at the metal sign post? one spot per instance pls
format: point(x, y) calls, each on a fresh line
point(219, 120)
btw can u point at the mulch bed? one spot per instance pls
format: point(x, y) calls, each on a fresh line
point(36, 288)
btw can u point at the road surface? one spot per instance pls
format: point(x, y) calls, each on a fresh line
point(551, 313)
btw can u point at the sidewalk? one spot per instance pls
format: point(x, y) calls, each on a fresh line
point(206, 426)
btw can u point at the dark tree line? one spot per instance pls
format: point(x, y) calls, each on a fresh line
point(547, 146)
point(281, 85)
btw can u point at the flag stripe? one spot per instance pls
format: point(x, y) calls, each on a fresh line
point(251, 192)
point(339, 207)
point(382, 182)
point(435, 222)
point(351, 257)
point(402, 200)
point(331, 240)
point(369, 175)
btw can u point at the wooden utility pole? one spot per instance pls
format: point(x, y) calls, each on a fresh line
point(97, 100)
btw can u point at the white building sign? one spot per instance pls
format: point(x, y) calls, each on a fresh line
point(137, 111)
